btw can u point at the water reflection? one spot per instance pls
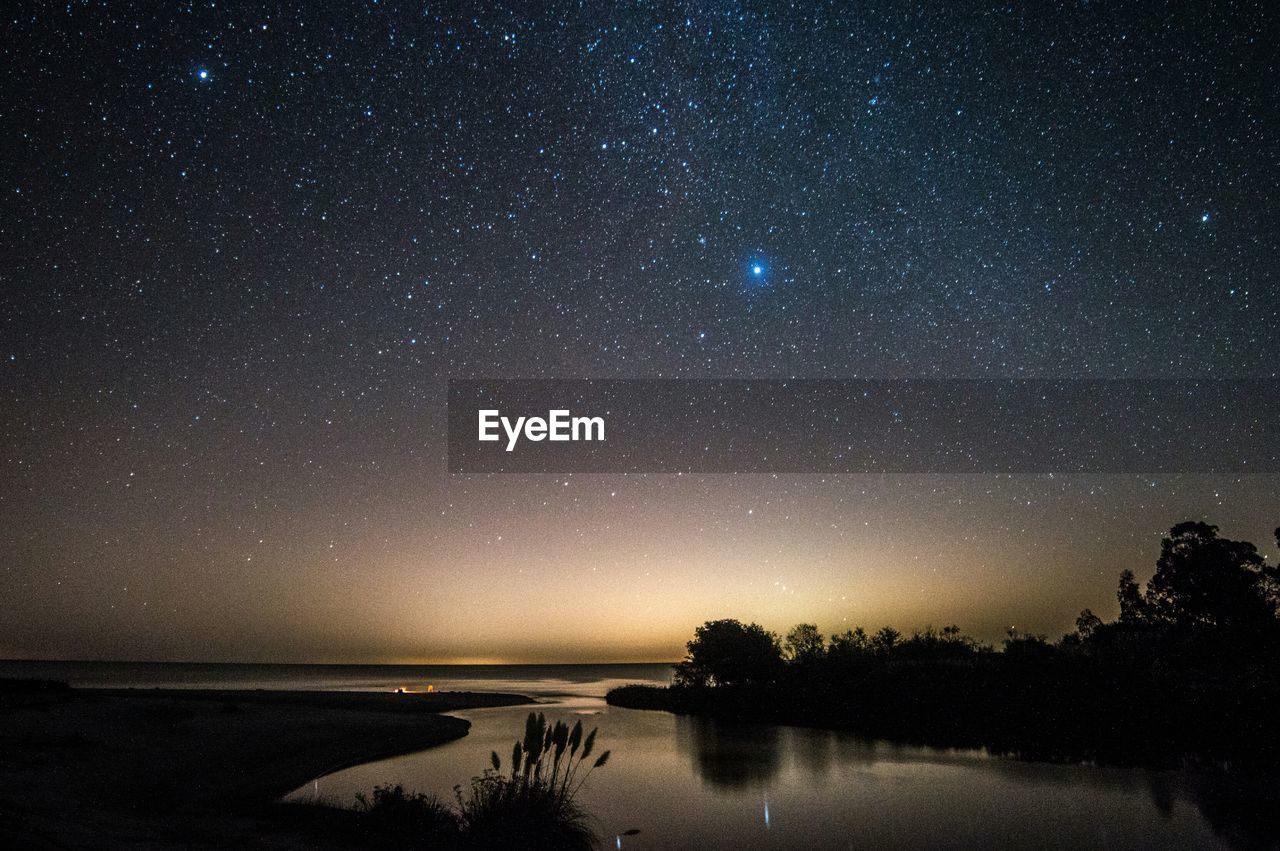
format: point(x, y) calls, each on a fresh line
point(730, 756)
point(737, 757)
point(814, 754)
point(690, 782)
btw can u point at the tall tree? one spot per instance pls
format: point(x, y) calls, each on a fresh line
point(1204, 580)
point(1133, 608)
point(805, 643)
point(728, 652)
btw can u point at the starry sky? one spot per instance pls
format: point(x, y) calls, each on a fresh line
point(246, 247)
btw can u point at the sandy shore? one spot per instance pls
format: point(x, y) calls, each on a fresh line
point(95, 768)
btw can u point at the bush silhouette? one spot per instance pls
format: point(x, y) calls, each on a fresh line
point(729, 653)
point(1185, 675)
point(1202, 580)
point(533, 806)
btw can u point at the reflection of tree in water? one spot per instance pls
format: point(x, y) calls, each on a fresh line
point(813, 751)
point(731, 756)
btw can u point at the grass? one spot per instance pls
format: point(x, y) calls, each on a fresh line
point(532, 805)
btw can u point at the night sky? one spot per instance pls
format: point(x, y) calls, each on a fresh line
point(245, 249)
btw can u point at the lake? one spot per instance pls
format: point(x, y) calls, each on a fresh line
point(686, 782)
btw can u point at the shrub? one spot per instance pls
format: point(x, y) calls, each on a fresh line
point(407, 817)
point(533, 806)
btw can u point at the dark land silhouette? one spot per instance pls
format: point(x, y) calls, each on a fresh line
point(1187, 676)
point(105, 768)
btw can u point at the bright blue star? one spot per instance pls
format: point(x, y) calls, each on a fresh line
point(1204, 218)
point(757, 270)
point(203, 74)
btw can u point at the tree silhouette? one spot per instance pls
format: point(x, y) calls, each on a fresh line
point(1185, 677)
point(849, 645)
point(1088, 623)
point(805, 643)
point(1132, 606)
point(727, 652)
point(886, 639)
point(1203, 580)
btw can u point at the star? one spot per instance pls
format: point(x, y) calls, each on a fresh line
point(595, 223)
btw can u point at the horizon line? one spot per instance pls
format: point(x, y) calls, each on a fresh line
point(459, 664)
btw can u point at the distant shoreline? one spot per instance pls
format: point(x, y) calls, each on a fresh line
point(88, 767)
point(197, 663)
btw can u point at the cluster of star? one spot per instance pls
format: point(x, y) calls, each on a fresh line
point(247, 248)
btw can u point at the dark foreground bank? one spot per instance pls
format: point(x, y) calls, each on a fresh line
point(94, 768)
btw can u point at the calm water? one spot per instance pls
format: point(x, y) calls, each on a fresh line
point(689, 783)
